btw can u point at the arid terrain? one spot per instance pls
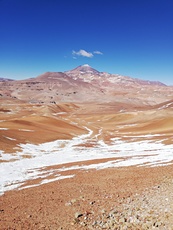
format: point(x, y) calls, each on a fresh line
point(86, 149)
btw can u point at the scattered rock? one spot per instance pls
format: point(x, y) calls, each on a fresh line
point(78, 214)
point(92, 202)
point(73, 201)
point(68, 204)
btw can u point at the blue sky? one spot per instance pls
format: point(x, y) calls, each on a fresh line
point(128, 37)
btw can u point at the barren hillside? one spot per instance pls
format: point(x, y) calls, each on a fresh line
point(77, 145)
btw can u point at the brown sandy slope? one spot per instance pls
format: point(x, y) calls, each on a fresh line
point(35, 123)
point(91, 193)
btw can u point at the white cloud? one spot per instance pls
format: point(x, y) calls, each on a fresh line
point(83, 53)
point(98, 52)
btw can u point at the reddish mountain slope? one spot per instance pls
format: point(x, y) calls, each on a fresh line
point(85, 84)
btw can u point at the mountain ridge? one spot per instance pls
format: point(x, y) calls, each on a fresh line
point(2, 79)
point(86, 69)
point(86, 84)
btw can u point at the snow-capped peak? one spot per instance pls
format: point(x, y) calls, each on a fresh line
point(86, 65)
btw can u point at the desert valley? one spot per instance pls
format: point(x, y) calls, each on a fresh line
point(84, 149)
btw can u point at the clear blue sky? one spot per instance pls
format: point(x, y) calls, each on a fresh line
point(128, 37)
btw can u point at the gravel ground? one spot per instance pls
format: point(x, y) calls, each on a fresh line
point(153, 209)
point(123, 198)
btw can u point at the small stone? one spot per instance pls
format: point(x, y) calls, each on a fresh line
point(112, 222)
point(76, 221)
point(92, 202)
point(114, 211)
point(103, 211)
point(94, 223)
point(73, 201)
point(105, 226)
point(83, 224)
point(68, 204)
point(157, 224)
point(42, 226)
point(122, 220)
point(116, 226)
point(88, 213)
point(78, 214)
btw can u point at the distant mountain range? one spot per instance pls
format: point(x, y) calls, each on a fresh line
point(86, 84)
point(5, 79)
point(89, 74)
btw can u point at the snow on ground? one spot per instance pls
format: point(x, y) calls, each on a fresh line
point(26, 130)
point(31, 162)
point(9, 138)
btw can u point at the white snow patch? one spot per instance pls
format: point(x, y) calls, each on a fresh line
point(16, 173)
point(58, 113)
point(165, 106)
point(26, 130)
point(9, 138)
point(48, 181)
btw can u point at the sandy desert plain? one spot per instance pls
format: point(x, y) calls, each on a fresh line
point(86, 150)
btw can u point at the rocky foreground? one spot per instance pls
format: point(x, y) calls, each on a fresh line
point(150, 210)
point(122, 198)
